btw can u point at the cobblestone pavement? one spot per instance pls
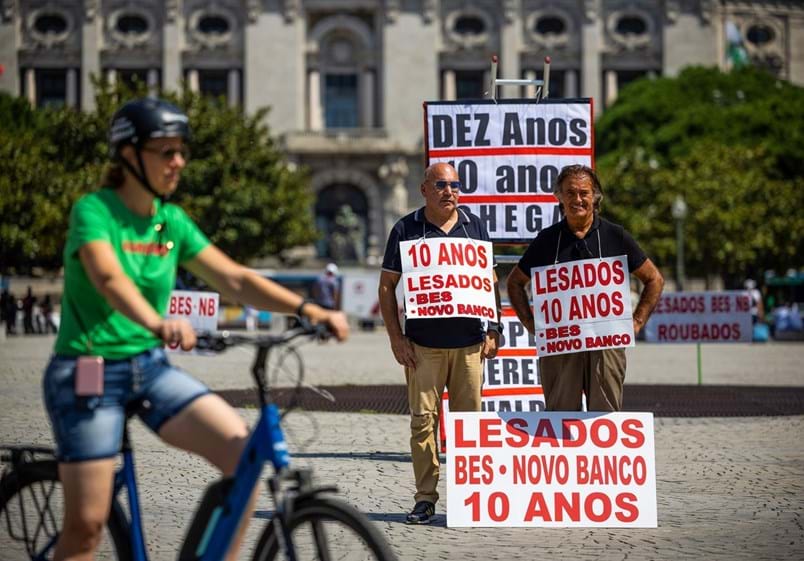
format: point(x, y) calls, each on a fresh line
point(727, 488)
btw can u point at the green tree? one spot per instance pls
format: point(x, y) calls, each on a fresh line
point(732, 145)
point(236, 186)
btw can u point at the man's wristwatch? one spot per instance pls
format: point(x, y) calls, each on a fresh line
point(494, 326)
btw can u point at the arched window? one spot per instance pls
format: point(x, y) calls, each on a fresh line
point(341, 216)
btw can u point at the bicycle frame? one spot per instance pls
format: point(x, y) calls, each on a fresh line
point(266, 443)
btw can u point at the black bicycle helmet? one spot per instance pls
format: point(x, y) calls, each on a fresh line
point(138, 121)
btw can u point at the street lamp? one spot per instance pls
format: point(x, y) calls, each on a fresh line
point(679, 212)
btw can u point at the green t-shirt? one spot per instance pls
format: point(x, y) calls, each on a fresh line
point(150, 250)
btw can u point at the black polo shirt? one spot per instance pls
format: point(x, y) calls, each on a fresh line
point(604, 236)
point(440, 333)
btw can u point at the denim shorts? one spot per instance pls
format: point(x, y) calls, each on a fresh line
point(89, 428)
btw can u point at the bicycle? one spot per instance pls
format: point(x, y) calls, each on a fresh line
point(308, 522)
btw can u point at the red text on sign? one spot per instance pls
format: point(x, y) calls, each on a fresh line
point(597, 507)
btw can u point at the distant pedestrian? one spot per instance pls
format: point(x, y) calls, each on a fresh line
point(47, 314)
point(28, 304)
point(757, 309)
point(8, 308)
point(326, 291)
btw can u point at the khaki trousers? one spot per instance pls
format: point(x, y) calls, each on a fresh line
point(461, 372)
point(599, 374)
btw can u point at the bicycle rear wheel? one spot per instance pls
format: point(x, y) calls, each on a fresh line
point(32, 510)
point(326, 529)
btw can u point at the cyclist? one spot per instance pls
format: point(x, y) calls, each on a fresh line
point(124, 245)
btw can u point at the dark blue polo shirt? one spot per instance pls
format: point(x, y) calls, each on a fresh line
point(604, 239)
point(440, 333)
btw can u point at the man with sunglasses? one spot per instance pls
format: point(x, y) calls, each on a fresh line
point(436, 352)
point(583, 234)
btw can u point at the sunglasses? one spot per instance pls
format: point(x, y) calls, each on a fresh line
point(442, 184)
point(167, 154)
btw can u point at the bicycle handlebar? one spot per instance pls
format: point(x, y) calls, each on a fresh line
point(223, 340)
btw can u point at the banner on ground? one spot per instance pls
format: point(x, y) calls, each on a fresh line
point(448, 277)
point(508, 154)
point(701, 317)
point(199, 308)
point(582, 306)
point(557, 469)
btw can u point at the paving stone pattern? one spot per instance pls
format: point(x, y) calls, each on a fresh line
point(728, 488)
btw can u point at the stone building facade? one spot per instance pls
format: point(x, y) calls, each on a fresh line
point(345, 79)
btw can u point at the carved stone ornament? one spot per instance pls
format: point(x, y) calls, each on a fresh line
point(630, 41)
point(131, 40)
point(391, 10)
point(90, 9)
point(509, 10)
point(429, 8)
point(171, 10)
point(211, 40)
point(7, 10)
point(549, 41)
point(291, 8)
point(50, 39)
point(590, 10)
point(252, 10)
point(672, 8)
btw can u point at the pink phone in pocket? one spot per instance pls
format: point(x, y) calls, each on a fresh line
point(89, 376)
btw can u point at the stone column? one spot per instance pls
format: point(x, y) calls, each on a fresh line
point(233, 92)
point(171, 53)
point(570, 83)
point(90, 59)
point(611, 87)
point(367, 107)
point(450, 92)
point(192, 80)
point(591, 43)
point(30, 86)
point(71, 94)
point(530, 89)
point(314, 110)
point(153, 81)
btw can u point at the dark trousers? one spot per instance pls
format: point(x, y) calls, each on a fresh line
point(598, 374)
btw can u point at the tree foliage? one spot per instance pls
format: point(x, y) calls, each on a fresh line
point(236, 185)
point(732, 145)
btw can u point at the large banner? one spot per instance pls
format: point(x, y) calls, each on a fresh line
point(448, 277)
point(508, 154)
point(551, 469)
point(582, 306)
point(701, 317)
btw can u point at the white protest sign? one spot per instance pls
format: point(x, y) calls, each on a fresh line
point(582, 306)
point(359, 295)
point(199, 308)
point(508, 154)
point(511, 379)
point(556, 469)
point(448, 277)
point(701, 317)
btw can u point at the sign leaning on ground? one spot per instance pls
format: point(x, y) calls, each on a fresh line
point(551, 469)
point(448, 277)
point(511, 379)
point(582, 305)
point(701, 317)
point(199, 308)
point(508, 154)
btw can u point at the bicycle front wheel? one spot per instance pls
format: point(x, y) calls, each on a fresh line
point(325, 529)
point(32, 512)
